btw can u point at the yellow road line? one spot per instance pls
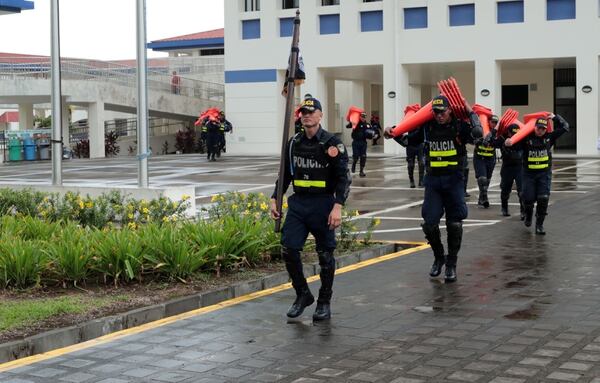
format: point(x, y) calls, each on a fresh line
point(203, 310)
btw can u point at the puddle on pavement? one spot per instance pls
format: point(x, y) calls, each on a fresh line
point(530, 313)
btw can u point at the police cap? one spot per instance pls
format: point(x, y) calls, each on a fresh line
point(310, 104)
point(440, 103)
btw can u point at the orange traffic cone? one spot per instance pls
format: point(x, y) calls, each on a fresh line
point(529, 126)
point(353, 115)
point(537, 115)
point(413, 121)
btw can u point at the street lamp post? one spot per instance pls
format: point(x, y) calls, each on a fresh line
point(142, 93)
point(56, 98)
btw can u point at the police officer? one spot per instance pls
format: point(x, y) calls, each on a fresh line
point(484, 162)
point(212, 131)
point(360, 134)
point(537, 168)
point(317, 164)
point(445, 137)
point(511, 170)
point(376, 126)
point(414, 151)
point(224, 127)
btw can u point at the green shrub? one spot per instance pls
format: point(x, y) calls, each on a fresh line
point(21, 262)
point(69, 255)
point(20, 202)
point(118, 254)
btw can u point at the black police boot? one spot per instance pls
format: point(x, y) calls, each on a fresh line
point(455, 232)
point(482, 182)
point(411, 174)
point(522, 209)
point(363, 162)
point(540, 214)
point(293, 265)
point(354, 160)
point(528, 214)
point(504, 203)
point(466, 181)
point(421, 171)
point(433, 236)
point(327, 263)
point(208, 156)
point(412, 183)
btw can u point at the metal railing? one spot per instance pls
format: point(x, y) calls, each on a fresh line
point(103, 71)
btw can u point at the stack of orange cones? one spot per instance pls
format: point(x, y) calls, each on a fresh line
point(529, 126)
point(413, 119)
point(484, 114)
point(353, 115)
point(211, 114)
point(450, 89)
point(411, 109)
point(508, 118)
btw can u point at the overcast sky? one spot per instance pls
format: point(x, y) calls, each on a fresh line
point(105, 29)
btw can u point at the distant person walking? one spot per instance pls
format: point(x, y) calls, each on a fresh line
point(175, 83)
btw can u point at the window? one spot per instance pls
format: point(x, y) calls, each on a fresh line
point(329, 24)
point(371, 21)
point(415, 18)
point(463, 14)
point(515, 95)
point(289, 4)
point(325, 3)
point(250, 29)
point(212, 52)
point(251, 5)
point(510, 12)
point(286, 26)
point(560, 9)
point(370, 1)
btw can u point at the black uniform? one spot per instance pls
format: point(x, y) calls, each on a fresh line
point(377, 130)
point(484, 162)
point(298, 127)
point(443, 181)
point(224, 127)
point(537, 172)
point(511, 170)
point(414, 151)
point(213, 138)
point(318, 168)
point(360, 134)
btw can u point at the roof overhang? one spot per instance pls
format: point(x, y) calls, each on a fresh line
point(14, 6)
point(217, 42)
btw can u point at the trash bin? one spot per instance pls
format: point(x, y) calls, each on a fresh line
point(14, 149)
point(29, 148)
point(44, 148)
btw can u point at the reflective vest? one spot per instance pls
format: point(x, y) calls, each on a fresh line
point(539, 156)
point(443, 149)
point(486, 151)
point(311, 171)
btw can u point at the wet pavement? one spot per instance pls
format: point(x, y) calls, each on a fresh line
point(526, 308)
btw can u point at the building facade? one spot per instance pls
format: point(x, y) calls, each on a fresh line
point(528, 55)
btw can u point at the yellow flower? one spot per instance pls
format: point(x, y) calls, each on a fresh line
point(222, 198)
point(356, 213)
point(261, 194)
point(376, 222)
point(145, 210)
point(165, 219)
point(174, 218)
point(89, 204)
point(131, 225)
point(246, 212)
point(248, 205)
point(185, 197)
point(284, 205)
point(214, 198)
point(242, 196)
point(80, 202)
point(130, 216)
point(263, 206)
point(234, 207)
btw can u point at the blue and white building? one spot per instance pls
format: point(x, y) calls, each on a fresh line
point(529, 55)
point(14, 6)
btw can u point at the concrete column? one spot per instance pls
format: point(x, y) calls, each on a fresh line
point(25, 116)
point(332, 114)
point(96, 124)
point(367, 98)
point(488, 75)
point(588, 118)
point(403, 93)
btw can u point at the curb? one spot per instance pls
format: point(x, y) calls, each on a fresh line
point(68, 336)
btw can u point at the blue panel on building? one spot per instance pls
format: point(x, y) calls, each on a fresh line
point(329, 24)
point(463, 14)
point(415, 18)
point(216, 42)
point(253, 75)
point(15, 5)
point(560, 9)
point(510, 12)
point(286, 26)
point(371, 21)
point(250, 29)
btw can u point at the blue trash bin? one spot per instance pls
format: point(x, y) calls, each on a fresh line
point(30, 148)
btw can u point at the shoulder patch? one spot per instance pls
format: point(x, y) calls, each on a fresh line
point(333, 151)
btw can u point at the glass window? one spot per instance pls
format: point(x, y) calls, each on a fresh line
point(370, 1)
point(510, 12)
point(286, 26)
point(250, 29)
point(463, 14)
point(560, 9)
point(329, 24)
point(415, 18)
point(289, 4)
point(513, 95)
point(330, 2)
point(371, 21)
point(251, 5)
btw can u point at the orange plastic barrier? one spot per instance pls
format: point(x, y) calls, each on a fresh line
point(413, 121)
point(210, 113)
point(484, 114)
point(353, 115)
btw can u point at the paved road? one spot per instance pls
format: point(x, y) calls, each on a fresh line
point(525, 309)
